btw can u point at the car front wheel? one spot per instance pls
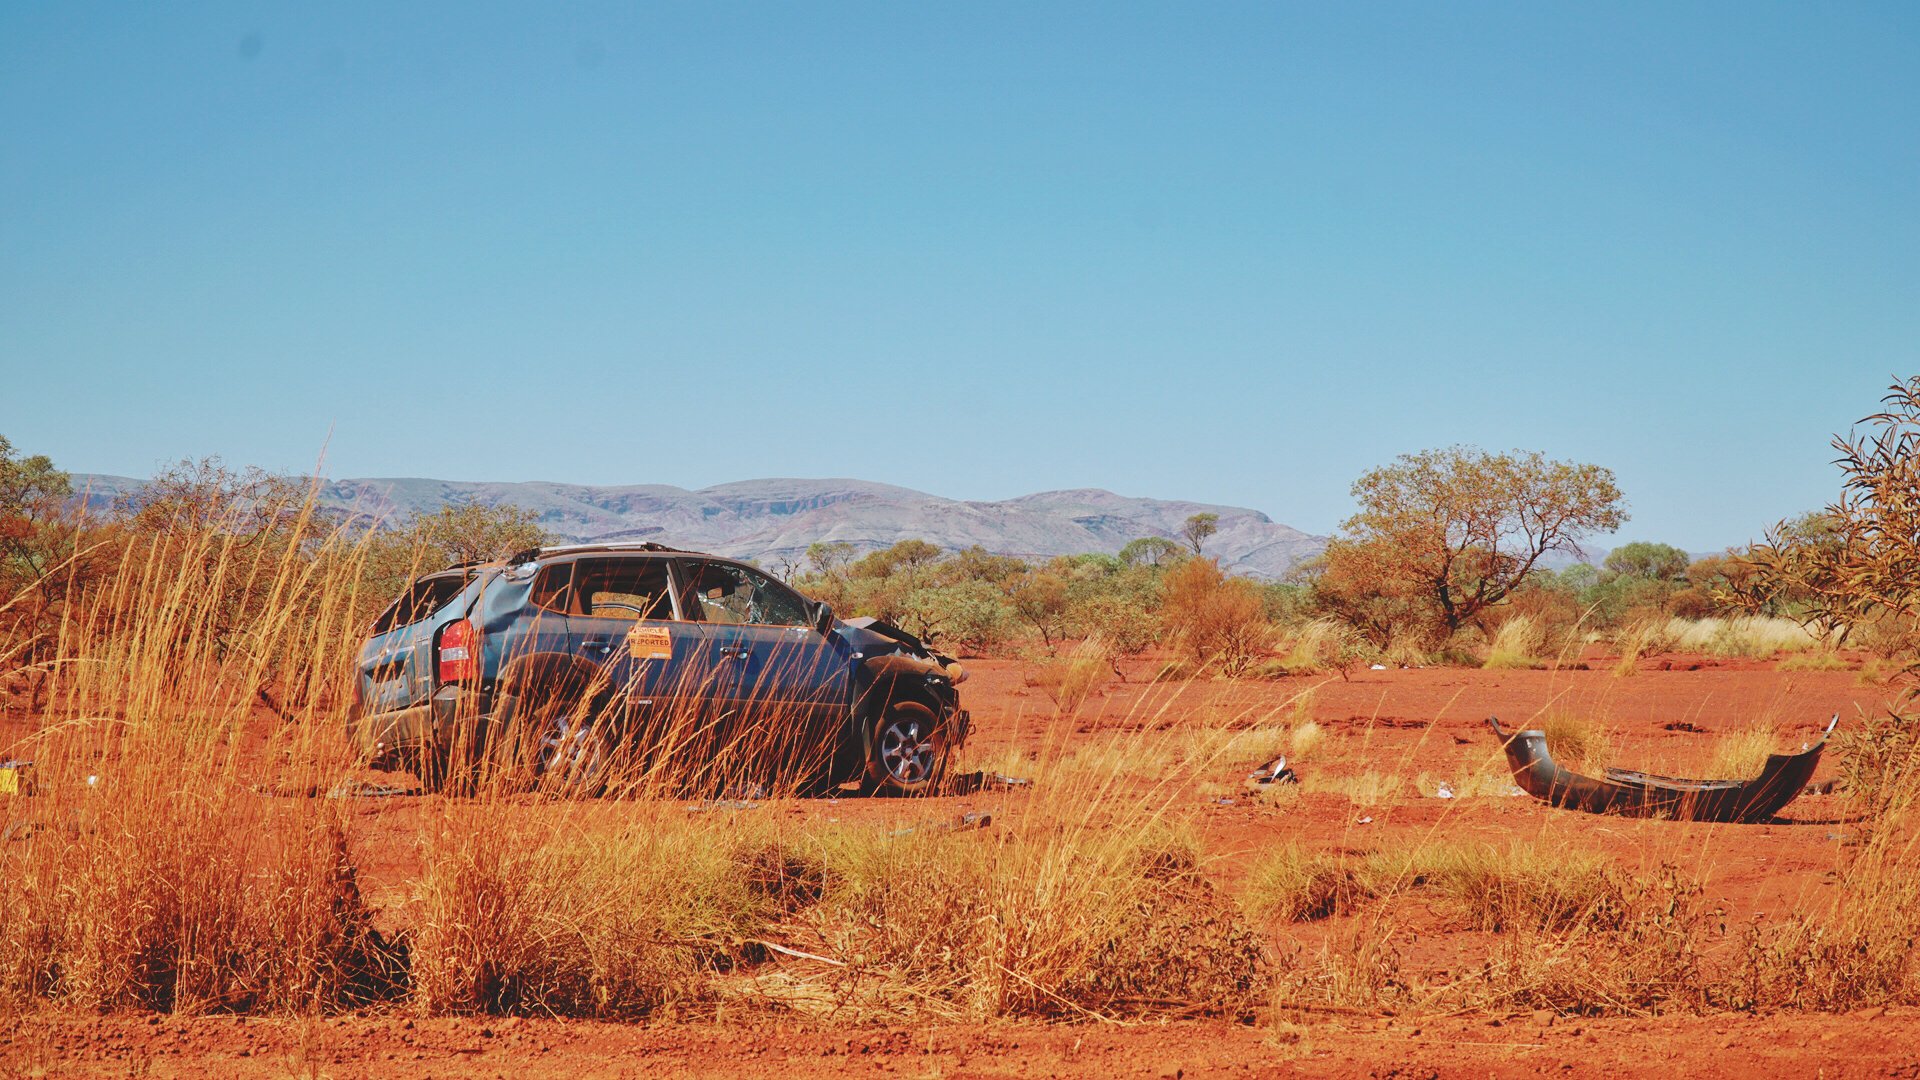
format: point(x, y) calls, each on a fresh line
point(909, 751)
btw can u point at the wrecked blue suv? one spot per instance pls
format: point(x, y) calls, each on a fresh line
point(622, 665)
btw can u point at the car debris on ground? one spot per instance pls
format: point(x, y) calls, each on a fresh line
point(1639, 794)
point(1272, 773)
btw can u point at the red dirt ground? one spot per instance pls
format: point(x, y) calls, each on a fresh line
point(1409, 723)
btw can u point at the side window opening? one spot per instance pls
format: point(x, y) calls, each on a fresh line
point(725, 593)
point(622, 589)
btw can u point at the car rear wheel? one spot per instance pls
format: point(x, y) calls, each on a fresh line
point(909, 751)
point(573, 752)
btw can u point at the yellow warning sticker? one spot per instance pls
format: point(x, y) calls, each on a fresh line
point(650, 643)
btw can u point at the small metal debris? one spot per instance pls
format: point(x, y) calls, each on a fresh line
point(972, 819)
point(364, 790)
point(1364, 821)
point(1273, 772)
point(724, 804)
point(1445, 791)
point(967, 783)
point(21, 830)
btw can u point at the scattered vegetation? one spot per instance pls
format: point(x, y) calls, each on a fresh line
point(182, 855)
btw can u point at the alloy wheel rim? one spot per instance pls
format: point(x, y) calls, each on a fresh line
point(907, 756)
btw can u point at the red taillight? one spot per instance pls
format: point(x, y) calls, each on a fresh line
point(459, 652)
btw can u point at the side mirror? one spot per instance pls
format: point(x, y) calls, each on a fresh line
point(822, 618)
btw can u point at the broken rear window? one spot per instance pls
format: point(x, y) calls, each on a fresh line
point(422, 599)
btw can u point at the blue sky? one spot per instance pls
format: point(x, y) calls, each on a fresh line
point(1232, 253)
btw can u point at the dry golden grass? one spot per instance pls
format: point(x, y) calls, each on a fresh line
point(1068, 681)
point(1307, 651)
point(1305, 738)
point(1576, 741)
point(1517, 644)
point(1742, 754)
point(149, 871)
point(1814, 660)
point(1742, 635)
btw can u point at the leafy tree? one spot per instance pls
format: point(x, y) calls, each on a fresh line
point(1859, 560)
point(1351, 583)
point(1460, 529)
point(1217, 619)
point(451, 536)
point(32, 493)
point(1155, 551)
point(978, 564)
point(1123, 624)
point(907, 555)
point(1654, 562)
point(251, 506)
point(830, 559)
point(41, 563)
point(969, 613)
point(1040, 599)
point(1198, 528)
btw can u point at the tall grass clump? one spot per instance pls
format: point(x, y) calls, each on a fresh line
point(1814, 660)
point(1517, 644)
point(1066, 923)
point(1743, 636)
point(1575, 740)
point(1861, 951)
point(1069, 681)
point(568, 913)
point(172, 858)
point(1293, 884)
point(1742, 754)
point(1311, 649)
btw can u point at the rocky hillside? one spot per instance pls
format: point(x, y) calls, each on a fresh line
point(775, 520)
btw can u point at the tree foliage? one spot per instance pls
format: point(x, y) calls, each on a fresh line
point(450, 536)
point(1859, 559)
point(1654, 562)
point(1455, 531)
point(1218, 620)
point(1196, 529)
point(1155, 551)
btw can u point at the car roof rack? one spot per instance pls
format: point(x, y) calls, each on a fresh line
point(531, 554)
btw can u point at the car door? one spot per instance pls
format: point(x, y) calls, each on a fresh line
point(784, 683)
point(622, 616)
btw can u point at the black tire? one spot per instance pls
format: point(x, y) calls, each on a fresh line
point(909, 751)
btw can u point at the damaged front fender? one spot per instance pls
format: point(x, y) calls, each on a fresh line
point(1638, 794)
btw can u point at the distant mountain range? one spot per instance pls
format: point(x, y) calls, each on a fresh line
point(776, 520)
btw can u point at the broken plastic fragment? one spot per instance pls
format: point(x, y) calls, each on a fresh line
point(1273, 772)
